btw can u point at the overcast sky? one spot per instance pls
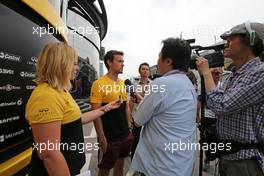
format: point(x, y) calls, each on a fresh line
point(137, 27)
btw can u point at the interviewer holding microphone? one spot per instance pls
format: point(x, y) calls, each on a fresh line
point(168, 116)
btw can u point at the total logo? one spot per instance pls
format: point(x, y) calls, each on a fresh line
point(6, 71)
point(11, 135)
point(27, 74)
point(9, 119)
point(10, 57)
point(13, 103)
point(9, 87)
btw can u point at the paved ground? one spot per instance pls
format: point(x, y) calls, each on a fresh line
point(91, 156)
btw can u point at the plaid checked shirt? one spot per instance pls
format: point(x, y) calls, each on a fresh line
point(239, 107)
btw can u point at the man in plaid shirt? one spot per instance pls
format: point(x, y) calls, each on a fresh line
point(240, 106)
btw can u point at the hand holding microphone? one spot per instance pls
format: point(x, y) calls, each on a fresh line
point(130, 89)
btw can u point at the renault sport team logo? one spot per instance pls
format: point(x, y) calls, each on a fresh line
point(10, 57)
point(9, 87)
point(27, 74)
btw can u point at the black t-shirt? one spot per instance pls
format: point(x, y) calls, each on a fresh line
point(71, 134)
point(115, 123)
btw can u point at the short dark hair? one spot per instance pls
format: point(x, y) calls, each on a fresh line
point(257, 48)
point(179, 51)
point(145, 63)
point(110, 56)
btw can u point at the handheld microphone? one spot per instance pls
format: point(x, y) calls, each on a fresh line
point(129, 86)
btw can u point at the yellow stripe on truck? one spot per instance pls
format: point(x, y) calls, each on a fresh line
point(46, 11)
point(15, 164)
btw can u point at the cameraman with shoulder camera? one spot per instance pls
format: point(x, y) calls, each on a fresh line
point(240, 107)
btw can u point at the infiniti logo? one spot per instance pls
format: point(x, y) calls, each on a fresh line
point(34, 59)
